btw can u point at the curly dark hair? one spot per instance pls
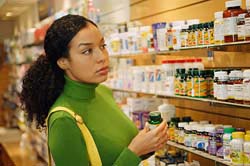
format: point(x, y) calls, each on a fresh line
point(44, 81)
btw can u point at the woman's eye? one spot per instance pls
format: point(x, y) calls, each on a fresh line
point(103, 46)
point(87, 52)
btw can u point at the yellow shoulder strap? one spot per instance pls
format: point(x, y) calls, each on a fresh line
point(93, 153)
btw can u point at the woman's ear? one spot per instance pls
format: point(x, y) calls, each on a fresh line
point(63, 63)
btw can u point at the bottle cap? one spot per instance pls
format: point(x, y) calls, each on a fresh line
point(240, 129)
point(246, 73)
point(186, 119)
point(229, 130)
point(155, 116)
point(237, 134)
point(218, 14)
point(233, 3)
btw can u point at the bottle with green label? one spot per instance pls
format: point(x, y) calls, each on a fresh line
point(155, 120)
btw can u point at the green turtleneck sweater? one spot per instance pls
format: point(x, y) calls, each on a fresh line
point(111, 129)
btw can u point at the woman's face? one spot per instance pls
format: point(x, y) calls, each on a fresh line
point(88, 58)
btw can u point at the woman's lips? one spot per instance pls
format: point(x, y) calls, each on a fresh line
point(103, 71)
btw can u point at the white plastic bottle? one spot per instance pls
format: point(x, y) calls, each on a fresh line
point(218, 28)
point(236, 150)
point(246, 148)
point(167, 111)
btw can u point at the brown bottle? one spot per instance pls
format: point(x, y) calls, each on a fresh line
point(247, 20)
point(230, 20)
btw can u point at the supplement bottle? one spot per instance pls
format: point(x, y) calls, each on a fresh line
point(246, 86)
point(211, 32)
point(200, 138)
point(184, 36)
point(247, 20)
point(168, 77)
point(227, 137)
point(181, 133)
point(230, 85)
point(212, 149)
point(236, 146)
point(154, 121)
point(188, 136)
point(246, 148)
point(219, 142)
point(182, 80)
point(221, 88)
point(173, 125)
point(238, 87)
point(202, 92)
point(218, 28)
point(230, 20)
point(210, 82)
point(241, 30)
point(200, 34)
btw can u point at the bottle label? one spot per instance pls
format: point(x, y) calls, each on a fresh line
point(230, 26)
point(238, 91)
point(218, 32)
point(247, 26)
point(246, 90)
point(222, 92)
point(247, 153)
point(236, 152)
point(230, 91)
point(241, 32)
point(184, 39)
point(152, 126)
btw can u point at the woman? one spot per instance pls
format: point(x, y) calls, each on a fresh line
point(76, 61)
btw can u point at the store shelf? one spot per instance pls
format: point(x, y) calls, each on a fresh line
point(212, 101)
point(131, 54)
point(229, 47)
point(200, 153)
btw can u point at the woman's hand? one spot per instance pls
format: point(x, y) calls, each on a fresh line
point(148, 141)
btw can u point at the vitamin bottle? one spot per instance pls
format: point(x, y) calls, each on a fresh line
point(154, 121)
point(212, 143)
point(221, 86)
point(236, 146)
point(190, 35)
point(181, 133)
point(211, 32)
point(188, 136)
point(246, 86)
point(182, 83)
point(238, 87)
point(230, 20)
point(247, 20)
point(218, 28)
point(219, 142)
point(206, 34)
point(246, 148)
point(195, 35)
point(241, 32)
point(202, 92)
point(184, 36)
point(230, 85)
point(200, 33)
point(168, 77)
point(227, 137)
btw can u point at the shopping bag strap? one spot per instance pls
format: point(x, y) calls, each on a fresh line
point(92, 150)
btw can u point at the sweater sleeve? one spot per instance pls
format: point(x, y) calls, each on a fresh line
point(127, 157)
point(66, 143)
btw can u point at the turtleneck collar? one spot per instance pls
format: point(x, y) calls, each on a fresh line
point(77, 90)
